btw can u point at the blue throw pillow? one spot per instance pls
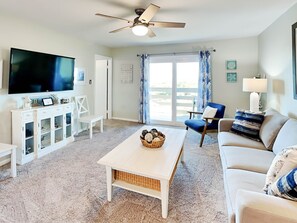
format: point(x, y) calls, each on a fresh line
point(285, 186)
point(248, 124)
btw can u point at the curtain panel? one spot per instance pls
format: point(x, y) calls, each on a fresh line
point(144, 113)
point(205, 83)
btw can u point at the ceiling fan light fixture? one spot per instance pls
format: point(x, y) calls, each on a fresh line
point(140, 30)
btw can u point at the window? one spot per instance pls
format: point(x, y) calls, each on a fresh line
point(173, 87)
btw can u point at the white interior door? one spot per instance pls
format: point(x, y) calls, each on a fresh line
point(103, 84)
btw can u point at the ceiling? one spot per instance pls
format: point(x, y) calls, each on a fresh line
point(205, 19)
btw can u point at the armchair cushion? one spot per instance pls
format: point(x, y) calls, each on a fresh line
point(198, 125)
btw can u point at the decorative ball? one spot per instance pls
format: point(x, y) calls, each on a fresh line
point(156, 139)
point(155, 134)
point(154, 130)
point(148, 137)
point(144, 133)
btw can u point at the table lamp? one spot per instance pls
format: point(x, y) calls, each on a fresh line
point(255, 86)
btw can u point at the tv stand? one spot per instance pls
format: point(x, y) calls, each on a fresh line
point(41, 130)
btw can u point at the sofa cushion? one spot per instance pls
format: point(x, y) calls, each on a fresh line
point(247, 124)
point(246, 158)
point(273, 121)
point(232, 139)
point(283, 163)
point(240, 179)
point(286, 186)
point(286, 136)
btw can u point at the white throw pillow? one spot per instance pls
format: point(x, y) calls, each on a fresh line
point(209, 112)
point(283, 163)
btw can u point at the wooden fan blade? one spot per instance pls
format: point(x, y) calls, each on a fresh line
point(151, 33)
point(168, 24)
point(113, 17)
point(149, 13)
point(120, 29)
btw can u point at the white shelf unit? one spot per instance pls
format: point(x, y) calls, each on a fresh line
point(41, 130)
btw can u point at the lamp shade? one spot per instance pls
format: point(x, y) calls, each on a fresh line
point(140, 30)
point(254, 85)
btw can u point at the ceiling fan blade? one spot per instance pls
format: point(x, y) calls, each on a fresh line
point(120, 29)
point(113, 17)
point(149, 13)
point(151, 33)
point(168, 24)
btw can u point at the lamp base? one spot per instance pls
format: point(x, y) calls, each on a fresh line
point(254, 102)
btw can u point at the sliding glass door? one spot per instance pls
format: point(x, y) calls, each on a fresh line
point(161, 91)
point(173, 88)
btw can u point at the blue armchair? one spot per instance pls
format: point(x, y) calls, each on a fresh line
point(202, 125)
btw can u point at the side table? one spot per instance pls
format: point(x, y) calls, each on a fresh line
point(7, 149)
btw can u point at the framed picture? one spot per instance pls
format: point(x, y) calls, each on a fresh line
point(47, 101)
point(231, 65)
point(79, 76)
point(232, 77)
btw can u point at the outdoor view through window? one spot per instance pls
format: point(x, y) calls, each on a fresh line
point(173, 87)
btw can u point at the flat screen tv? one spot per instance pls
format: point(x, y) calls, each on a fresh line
point(39, 72)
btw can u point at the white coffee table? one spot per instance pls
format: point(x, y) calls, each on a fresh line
point(133, 167)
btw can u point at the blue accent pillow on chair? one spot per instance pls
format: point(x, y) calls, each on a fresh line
point(248, 124)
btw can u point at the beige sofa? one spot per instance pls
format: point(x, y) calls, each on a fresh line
point(245, 164)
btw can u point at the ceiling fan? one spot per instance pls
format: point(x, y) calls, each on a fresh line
point(142, 24)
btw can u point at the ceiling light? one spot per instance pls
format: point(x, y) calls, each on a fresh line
point(140, 30)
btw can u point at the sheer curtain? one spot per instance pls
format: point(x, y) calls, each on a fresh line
point(144, 113)
point(205, 83)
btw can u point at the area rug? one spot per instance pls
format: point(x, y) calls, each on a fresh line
point(69, 186)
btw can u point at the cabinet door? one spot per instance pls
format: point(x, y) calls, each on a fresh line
point(45, 133)
point(68, 124)
point(58, 124)
point(29, 146)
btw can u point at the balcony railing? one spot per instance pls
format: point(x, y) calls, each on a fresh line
point(161, 103)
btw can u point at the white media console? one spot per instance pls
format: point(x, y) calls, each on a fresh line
point(41, 130)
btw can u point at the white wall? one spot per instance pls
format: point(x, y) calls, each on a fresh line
point(245, 51)
point(29, 35)
point(275, 59)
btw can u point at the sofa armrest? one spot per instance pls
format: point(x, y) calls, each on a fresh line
point(256, 207)
point(225, 124)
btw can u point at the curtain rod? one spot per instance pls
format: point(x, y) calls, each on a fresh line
point(159, 54)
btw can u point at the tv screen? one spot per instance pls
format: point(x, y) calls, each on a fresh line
point(39, 72)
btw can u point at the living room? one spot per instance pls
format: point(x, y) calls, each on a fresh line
point(269, 52)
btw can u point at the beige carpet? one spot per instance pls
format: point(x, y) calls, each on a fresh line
point(69, 186)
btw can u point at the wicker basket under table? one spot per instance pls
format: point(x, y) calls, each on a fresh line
point(141, 180)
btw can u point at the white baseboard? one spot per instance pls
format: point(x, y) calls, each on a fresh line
point(125, 119)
